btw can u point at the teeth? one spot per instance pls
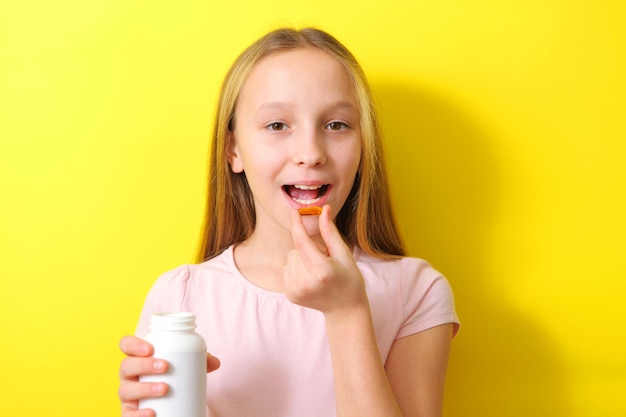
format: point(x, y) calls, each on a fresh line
point(307, 187)
point(306, 201)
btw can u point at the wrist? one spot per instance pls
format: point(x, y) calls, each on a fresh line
point(347, 320)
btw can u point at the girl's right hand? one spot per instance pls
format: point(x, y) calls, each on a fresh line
point(139, 361)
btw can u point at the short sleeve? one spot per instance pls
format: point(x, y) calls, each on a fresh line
point(428, 300)
point(166, 295)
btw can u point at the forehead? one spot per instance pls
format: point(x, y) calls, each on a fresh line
point(299, 57)
point(296, 74)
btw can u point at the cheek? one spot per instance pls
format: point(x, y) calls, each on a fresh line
point(353, 159)
point(260, 167)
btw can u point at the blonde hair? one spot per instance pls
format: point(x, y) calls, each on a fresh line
point(366, 219)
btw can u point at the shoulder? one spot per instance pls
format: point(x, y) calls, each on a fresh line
point(216, 266)
point(422, 294)
point(411, 279)
point(180, 282)
point(181, 288)
point(398, 269)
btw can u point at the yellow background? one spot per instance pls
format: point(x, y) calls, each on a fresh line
point(506, 138)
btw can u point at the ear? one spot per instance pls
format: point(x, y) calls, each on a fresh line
point(234, 157)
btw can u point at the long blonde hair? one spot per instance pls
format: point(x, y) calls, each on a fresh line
point(366, 219)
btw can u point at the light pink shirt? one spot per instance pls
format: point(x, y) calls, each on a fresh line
point(275, 359)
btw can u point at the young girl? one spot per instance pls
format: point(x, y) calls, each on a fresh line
point(317, 315)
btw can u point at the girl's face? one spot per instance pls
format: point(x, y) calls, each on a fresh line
point(297, 135)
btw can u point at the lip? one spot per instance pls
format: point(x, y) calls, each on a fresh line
point(318, 202)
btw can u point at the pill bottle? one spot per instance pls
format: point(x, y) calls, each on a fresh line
point(175, 340)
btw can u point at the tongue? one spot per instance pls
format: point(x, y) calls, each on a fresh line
point(302, 194)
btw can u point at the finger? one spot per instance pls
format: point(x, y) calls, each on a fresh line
point(133, 412)
point(134, 346)
point(132, 367)
point(301, 239)
point(139, 413)
point(212, 363)
point(330, 234)
point(133, 390)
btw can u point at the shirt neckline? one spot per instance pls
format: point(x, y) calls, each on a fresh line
point(229, 255)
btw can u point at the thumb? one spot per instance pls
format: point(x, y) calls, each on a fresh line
point(330, 234)
point(299, 234)
point(212, 363)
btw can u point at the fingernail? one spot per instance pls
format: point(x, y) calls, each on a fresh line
point(158, 388)
point(144, 349)
point(158, 365)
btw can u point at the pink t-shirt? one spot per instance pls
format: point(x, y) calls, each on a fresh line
point(275, 359)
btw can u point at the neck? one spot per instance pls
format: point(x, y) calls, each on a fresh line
point(262, 257)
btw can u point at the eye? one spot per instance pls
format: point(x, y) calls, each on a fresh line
point(336, 126)
point(276, 126)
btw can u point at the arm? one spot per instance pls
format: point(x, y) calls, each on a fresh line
point(416, 368)
point(413, 379)
point(328, 280)
point(361, 385)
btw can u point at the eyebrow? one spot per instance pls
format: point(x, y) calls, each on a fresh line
point(343, 105)
point(272, 105)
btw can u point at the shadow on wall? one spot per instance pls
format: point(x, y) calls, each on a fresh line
point(445, 185)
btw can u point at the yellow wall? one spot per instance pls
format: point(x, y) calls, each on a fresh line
point(506, 138)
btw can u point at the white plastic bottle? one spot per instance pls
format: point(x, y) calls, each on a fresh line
point(175, 340)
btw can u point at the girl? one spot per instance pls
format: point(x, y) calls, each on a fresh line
point(309, 315)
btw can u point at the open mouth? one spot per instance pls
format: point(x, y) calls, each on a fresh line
point(306, 194)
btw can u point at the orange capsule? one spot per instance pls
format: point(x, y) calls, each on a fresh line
point(310, 211)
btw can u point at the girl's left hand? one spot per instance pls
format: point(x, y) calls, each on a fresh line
point(326, 279)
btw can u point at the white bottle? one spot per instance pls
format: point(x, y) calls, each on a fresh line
point(175, 340)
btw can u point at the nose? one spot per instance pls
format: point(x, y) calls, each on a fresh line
point(309, 150)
